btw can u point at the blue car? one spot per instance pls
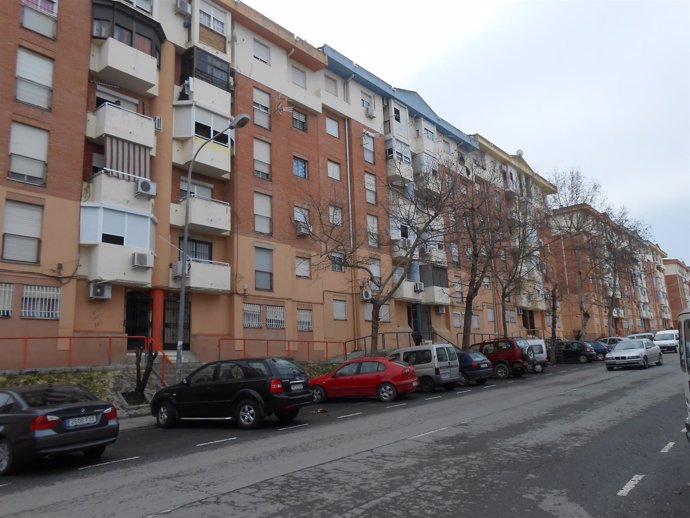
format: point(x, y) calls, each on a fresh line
point(599, 348)
point(474, 366)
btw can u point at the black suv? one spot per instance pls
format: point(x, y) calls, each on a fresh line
point(245, 390)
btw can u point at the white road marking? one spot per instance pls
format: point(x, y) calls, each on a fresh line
point(349, 415)
point(395, 406)
point(432, 397)
point(427, 433)
point(293, 426)
point(630, 485)
point(466, 391)
point(666, 448)
point(214, 442)
point(682, 430)
point(106, 463)
point(568, 391)
point(3, 485)
point(488, 386)
point(548, 374)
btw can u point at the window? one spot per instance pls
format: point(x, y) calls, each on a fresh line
point(206, 66)
point(457, 319)
point(373, 230)
point(335, 215)
point(21, 240)
point(115, 226)
point(275, 317)
point(100, 28)
point(28, 154)
point(143, 44)
point(251, 315)
point(490, 315)
point(367, 100)
point(475, 321)
point(299, 77)
point(212, 18)
point(300, 167)
point(262, 112)
point(428, 134)
point(370, 187)
point(368, 147)
point(262, 52)
point(302, 267)
point(457, 284)
point(301, 215)
point(332, 127)
point(304, 320)
point(262, 159)
point(375, 268)
point(40, 16)
point(331, 85)
point(122, 35)
point(396, 114)
point(34, 79)
point(299, 120)
point(263, 268)
point(384, 312)
point(339, 310)
point(263, 221)
point(41, 302)
point(196, 190)
point(333, 170)
point(199, 250)
point(144, 5)
point(486, 283)
point(208, 125)
point(6, 296)
point(337, 262)
point(455, 253)
point(399, 151)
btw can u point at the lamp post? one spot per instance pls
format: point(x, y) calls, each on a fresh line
point(238, 121)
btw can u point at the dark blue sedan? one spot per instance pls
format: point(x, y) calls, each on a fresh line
point(474, 366)
point(599, 348)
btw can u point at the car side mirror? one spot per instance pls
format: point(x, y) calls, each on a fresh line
point(185, 381)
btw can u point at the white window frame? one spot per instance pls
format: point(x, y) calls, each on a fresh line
point(262, 111)
point(330, 85)
point(252, 316)
point(375, 268)
point(335, 215)
point(262, 159)
point(457, 319)
point(41, 302)
point(302, 267)
point(333, 169)
point(214, 19)
point(490, 315)
point(305, 318)
point(275, 317)
point(262, 52)
point(263, 213)
point(332, 127)
point(373, 230)
point(337, 260)
point(6, 298)
point(28, 154)
point(339, 310)
point(34, 79)
point(370, 188)
point(475, 322)
point(368, 147)
point(22, 227)
point(384, 312)
point(299, 77)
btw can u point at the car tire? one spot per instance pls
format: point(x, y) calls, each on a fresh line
point(501, 371)
point(609, 368)
point(249, 414)
point(528, 353)
point(463, 381)
point(582, 358)
point(427, 385)
point(538, 368)
point(94, 452)
point(287, 415)
point(6, 457)
point(318, 395)
point(481, 381)
point(387, 392)
point(660, 361)
point(166, 415)
point(645, 363)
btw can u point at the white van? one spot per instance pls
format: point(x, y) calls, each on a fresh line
point(435, 364)
point(667, 340)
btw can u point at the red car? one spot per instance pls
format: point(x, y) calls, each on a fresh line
point(380, 377)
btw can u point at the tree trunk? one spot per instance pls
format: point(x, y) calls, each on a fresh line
point(375, 316)
point(143, 377)
point(504, 321)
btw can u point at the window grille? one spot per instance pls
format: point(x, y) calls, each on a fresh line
point(275, 317)
point(6, 296)
point(252, 315)
point(41, 302)
point(304, 320)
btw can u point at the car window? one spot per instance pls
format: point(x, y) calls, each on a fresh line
point(204, 374)
point(504, 346)
point(538, 348)
point(451, 354)
point(665, 336)
point(442, 354)
point(348, 370)
point(6, 403)
point(477, 356)
point(488, 348)
point(258, 369)
point(522, 342)
point(417, 357)
point(287, 367)
point(55, 395)
point(369, 367)
point(394, 356)
point(233, 371)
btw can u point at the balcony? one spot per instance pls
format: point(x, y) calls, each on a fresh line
point(113, 263)
point(213, 161)
point(436, 295)
point(399, 172)
point(110, 119)
point(115, 63)
point(406, 292)
point(199, 91)
point(401, 248)
point(203, 276)
point(205, 215)
point(110, 187)
point(432, 254)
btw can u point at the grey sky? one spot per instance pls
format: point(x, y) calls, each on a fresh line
point(603, 87)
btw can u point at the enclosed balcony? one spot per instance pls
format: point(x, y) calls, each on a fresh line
point(436, 295)
point(434, 253)
point(106, 262)
point(399, 162)
point(205, 215)
point(111, 187)
point(116, 63)
point(205, 276)
point(112, 120)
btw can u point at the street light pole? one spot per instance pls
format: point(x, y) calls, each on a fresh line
point(238, 121)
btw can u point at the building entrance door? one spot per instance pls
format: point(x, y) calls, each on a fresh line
point(137, 318)
point(171, 310)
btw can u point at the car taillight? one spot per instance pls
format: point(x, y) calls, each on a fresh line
point(110, 413)
point(406, 371)
point(475, 365)
point(44, 422)
point(276, 386)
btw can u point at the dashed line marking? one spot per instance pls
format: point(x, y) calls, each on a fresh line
point(488, 386)
point(293, 426)
point(3, 485)
point(630, 485)
point(548, 374)
point(106, 463)
point(568, 391)
point(349, 415)
point(427, 433)
point(395, 406)
point(464, 391)
point(215, 442)
point(667, 448)
point(432, 397)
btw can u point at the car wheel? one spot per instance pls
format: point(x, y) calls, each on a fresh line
point(249, 414)
point(582, 358)
point(481, 381)
point(94, 452)
point(318, 395)
point(501, 371)
point(600, 356)
point(538, 368)
point(660, 361)
point(287, 415)
point(645, 363)
point(609, 368)
point(6, 457)
point(165, 415)
point(463, 381)
point(387, 392)
point(427, 385)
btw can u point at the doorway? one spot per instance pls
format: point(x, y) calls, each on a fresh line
point(137, 318)
point(171, 312)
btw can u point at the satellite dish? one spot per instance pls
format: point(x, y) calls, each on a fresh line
point(519, 152)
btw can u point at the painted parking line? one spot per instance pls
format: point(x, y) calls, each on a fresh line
point(349, 415)
point(396, 406)
point(216, 442)
point(488, 386)
point(293, 426)
point(630, 485)
point(106, 463)
point(427, 433)
point(667, 448)
point(432, 397)
point(464, 391)
point(3, 485)
point(548, 374)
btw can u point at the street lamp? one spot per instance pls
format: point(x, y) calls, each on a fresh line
point(238, 121)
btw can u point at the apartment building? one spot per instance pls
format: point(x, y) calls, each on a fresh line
point(677, 280)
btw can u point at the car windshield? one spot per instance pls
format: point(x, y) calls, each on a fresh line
point(477, 356)
point(49, 396)
point(287, 367)
point(665, 336)
point(629, 344)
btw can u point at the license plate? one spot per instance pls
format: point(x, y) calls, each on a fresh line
point(297, 386)
point(485, 365)
point(80, 421)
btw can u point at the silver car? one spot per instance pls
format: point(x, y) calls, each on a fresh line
point(633, 353)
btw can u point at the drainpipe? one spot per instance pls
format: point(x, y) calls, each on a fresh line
point(348, 172)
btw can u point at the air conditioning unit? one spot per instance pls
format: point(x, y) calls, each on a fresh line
point(100, 291)
point(158, 123)
point(440, 310)
point(183, 7)
point(177, 269)
point(418, 287)
point(365, 295)
point(142, 260)
point(145, 188)
point(369, 110)
point(188, 86)
point(303, 228)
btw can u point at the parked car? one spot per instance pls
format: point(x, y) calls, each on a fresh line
point(474, 366)
point(600, 349)
point(246, 391)
point(436, 365)
point(509, 356)
point(366, 377)
point(610, 340)
point(575, 351)
point(42, 420)
point(667, 340)
point(541, 355)
point(649, 336)
point(634, 353)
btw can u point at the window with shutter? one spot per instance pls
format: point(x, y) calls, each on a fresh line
point(21, 239)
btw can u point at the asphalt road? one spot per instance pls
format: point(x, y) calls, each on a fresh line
point(576, 441)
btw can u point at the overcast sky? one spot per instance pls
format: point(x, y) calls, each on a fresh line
point(599, 86)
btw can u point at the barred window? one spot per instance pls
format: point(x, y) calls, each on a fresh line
point(41, 302)
point(299, 120)
point(275, 317)
point(304, 320)
point(6, 295)
point(251, 315)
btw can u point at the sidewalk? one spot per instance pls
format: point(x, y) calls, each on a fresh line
point(137, 423)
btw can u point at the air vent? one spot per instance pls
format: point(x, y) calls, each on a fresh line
point(418, 287)
point(145, 188)
point(365, 295)
point(142, 260)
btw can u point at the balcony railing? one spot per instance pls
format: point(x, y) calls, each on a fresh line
point(205, 215)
